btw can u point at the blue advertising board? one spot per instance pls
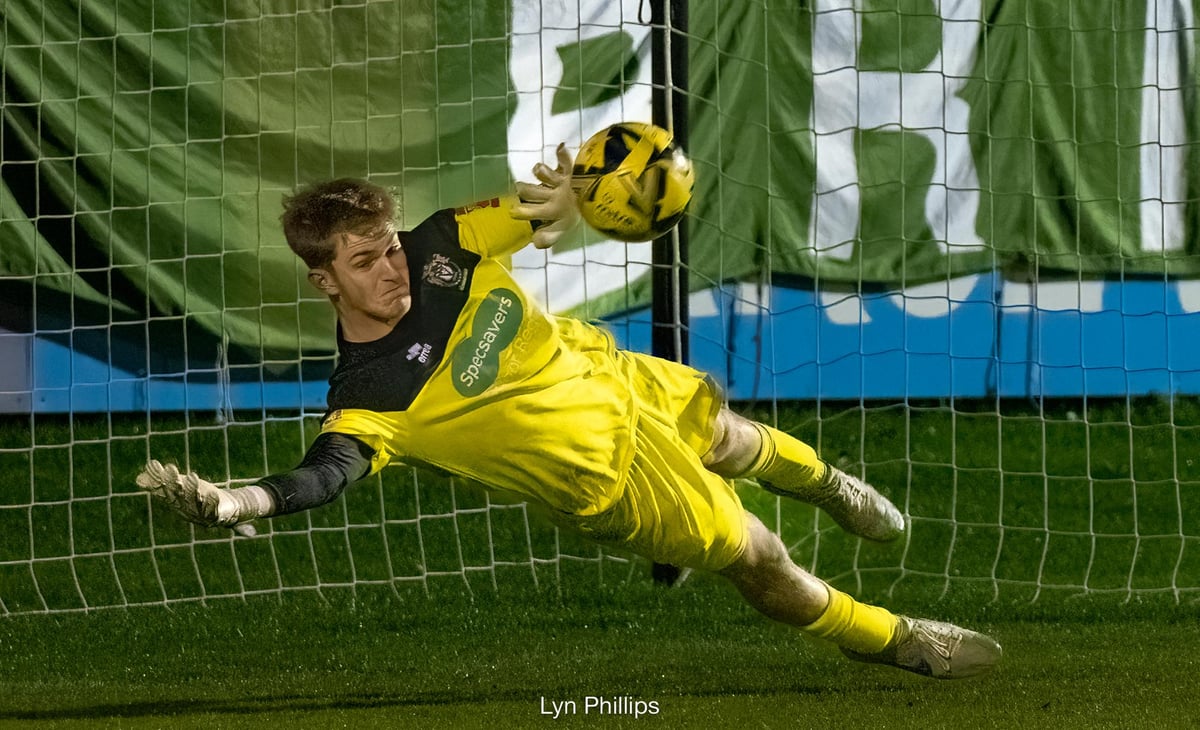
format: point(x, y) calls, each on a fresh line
point(978, 336)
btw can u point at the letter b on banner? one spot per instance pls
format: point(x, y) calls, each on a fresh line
point(854, 92)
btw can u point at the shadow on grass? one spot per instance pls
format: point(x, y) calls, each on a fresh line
point(246, 706)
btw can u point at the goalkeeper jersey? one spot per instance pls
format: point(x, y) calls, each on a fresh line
point(478, 381)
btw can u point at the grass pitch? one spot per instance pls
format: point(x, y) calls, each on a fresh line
point(1070, 532)
point(500, 662)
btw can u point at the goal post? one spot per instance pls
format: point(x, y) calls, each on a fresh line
point(952, 244)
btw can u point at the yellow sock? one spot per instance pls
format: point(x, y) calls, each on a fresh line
point(859, 627)
point(785, 461)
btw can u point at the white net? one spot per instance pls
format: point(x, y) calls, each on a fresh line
point(948, 243)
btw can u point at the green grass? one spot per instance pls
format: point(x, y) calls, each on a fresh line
point(703, 657)
point(1070, 532)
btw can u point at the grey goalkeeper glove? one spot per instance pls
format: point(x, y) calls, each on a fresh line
point(201, 501)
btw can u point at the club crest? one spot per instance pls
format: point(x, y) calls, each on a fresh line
point(441, 271)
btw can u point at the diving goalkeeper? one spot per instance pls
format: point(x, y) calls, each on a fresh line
point(444, 362)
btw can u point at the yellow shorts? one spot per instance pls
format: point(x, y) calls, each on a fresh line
point(672, 509)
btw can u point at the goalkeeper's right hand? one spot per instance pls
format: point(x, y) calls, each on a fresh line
point(552, 203)
point(197, 500)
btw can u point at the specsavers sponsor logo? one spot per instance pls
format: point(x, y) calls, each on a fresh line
point(476, 360)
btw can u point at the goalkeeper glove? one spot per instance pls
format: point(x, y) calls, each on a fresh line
point(201, 501)
point(551, 205)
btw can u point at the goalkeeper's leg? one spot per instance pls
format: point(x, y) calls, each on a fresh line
point(784, 465)
point(787, 466)
point(769, 580)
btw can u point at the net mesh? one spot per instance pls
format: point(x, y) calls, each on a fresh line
point(1031, 409)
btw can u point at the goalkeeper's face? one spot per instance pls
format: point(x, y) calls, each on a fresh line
point(368, 282)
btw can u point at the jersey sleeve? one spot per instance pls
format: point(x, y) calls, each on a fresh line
point(488, 228)
point(373, 429)
point(332, 463)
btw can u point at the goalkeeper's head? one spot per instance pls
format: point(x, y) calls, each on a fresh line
point(318, 216)
point(344, 231)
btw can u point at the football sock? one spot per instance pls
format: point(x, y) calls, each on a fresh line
point(786, 462)
point(857, 626)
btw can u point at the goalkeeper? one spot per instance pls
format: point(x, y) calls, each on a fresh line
point(444, 362)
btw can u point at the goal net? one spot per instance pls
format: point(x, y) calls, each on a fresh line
point(952, 244)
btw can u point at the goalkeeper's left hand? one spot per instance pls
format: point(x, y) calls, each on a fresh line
point(552, 203)
point(196, 499)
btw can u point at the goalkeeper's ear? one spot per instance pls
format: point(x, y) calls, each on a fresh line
point(322, 281)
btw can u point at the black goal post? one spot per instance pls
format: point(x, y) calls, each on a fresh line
point(669, 258)
point(669, 107)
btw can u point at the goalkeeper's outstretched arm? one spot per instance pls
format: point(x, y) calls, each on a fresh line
point(333, 462)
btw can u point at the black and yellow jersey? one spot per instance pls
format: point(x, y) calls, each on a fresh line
point(477, 380)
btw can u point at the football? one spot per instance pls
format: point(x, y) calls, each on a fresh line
point(633, 182)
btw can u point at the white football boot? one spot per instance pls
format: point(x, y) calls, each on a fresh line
point(936, 649)
point(852, 503)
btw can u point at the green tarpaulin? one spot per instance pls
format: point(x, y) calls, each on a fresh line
point(146, 145)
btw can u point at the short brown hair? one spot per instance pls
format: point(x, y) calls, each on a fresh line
point(317, 213)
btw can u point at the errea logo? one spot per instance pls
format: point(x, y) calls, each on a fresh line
point(419, 352)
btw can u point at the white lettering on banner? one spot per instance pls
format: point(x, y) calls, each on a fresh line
point(841, 307)
point(1169, 56)
point(926, 102)
point(1053, 296)
point(932, 300)
point(538, 31)
point(1189, 295)
point(938, 300)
